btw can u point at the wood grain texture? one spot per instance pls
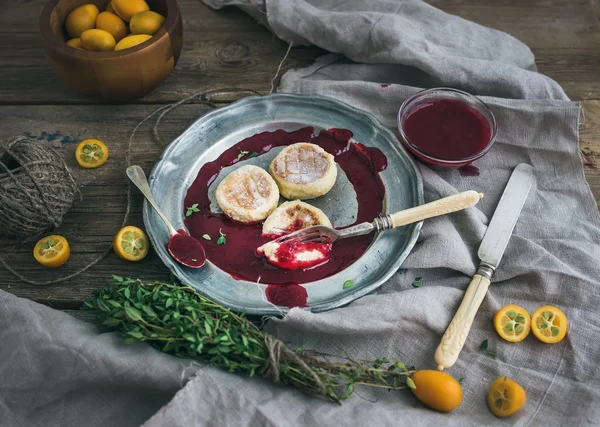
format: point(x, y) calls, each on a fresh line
point(227, 47)
point(224, 48)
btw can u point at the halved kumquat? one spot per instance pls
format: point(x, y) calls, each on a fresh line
point(131, 243)
point(505, 397)
point(91, 153)
point(512, 323)
point(549, 324)
point(52, 251)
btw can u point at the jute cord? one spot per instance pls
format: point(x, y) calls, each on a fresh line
point(279, 352)
point(280, 65)
point(36, 190)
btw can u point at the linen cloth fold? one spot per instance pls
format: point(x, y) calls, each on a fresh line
point(552, 257)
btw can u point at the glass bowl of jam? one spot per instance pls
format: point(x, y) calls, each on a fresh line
point(446, 127)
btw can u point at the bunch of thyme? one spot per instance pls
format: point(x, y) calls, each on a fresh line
point(177, 320)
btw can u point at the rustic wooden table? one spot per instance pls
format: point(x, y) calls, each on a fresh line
point(223, 49)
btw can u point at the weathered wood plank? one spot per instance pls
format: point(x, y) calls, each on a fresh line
point(228, 48)
point(92, 223)
point(589, 142)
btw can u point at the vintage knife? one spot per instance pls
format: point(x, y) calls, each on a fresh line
point(490, 253)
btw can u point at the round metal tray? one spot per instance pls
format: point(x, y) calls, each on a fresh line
point(218, 130)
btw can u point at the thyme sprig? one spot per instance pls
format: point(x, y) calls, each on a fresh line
point(177, 320)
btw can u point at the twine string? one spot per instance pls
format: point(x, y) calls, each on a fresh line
point(279, 352)
point(280, 65)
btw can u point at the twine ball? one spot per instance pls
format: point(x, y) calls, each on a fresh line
point(36, 188)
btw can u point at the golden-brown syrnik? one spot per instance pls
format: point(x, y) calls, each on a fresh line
point(248, 194)
point(303, 171)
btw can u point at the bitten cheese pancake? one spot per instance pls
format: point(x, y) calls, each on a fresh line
point(303, 171)
point(248, 194)
point(293, 216)
point(295, 255)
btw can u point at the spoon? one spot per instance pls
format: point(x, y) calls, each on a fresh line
point(183, 248)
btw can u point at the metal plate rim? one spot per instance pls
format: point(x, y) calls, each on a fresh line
point(342, 300)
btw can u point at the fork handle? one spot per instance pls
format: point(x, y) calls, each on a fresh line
point(449, 204)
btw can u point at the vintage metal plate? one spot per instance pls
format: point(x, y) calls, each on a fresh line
point(218, 130)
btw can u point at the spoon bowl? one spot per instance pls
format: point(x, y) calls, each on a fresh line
point(184, 249)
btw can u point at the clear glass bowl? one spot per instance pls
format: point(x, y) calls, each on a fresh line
point(435, 94)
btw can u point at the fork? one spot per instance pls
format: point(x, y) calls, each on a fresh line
point(323, 234)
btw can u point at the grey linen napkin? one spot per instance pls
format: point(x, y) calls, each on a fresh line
point(552, 257)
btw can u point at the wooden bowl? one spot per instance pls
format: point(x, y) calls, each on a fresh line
point(115, 76)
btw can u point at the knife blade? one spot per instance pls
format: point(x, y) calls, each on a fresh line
point(506, 215)
point(490, 253)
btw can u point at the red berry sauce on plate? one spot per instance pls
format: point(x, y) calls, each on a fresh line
point(237, 255)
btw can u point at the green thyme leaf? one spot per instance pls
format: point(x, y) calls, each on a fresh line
point(111, 321)
point(117, 278)
point(492, 354)
point(410, 383)
point(206, 237)
point(460, 380)
point(253, 154)
point(222, 238)
point(484, 345)
point(242, 154)
point(417, 282)
point(133, 313)
point(192, 209)
point(348, 284)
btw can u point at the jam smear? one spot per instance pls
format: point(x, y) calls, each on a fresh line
point(186, 249)
point(238, 255)
point(288, 295)
point(468, 170)
point(447, 129)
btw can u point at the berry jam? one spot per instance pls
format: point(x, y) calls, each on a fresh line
point(237, 256)
point(186, 249)
point(447, 129)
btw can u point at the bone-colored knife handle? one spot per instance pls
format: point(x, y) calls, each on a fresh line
point(449, 204)
point(456, 334)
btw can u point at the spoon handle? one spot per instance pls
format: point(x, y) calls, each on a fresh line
point(138, 177)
